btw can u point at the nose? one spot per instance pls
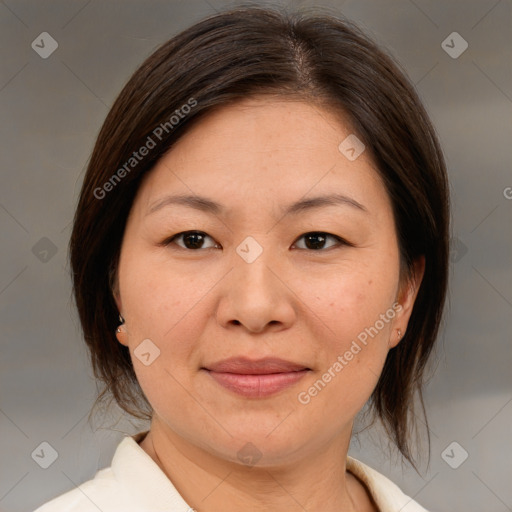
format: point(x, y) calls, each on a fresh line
point(256, 297)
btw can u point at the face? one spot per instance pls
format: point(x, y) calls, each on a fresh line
point(316, 286)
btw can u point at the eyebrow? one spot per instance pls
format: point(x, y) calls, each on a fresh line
point(207, 205)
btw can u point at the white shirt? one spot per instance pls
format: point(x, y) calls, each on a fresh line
point(135, 483)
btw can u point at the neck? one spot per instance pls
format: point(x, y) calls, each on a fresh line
point(208, 483)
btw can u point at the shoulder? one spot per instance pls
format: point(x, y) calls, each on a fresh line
point(87, 497)
point(386, 494)
point(105, 491)
point(132, 483)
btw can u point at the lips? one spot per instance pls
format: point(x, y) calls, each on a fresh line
point(265, 366)
point(256, 378)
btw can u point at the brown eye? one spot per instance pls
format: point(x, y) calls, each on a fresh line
point(192, 240)
point(316, 240)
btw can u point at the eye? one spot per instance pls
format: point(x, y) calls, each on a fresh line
point(192, 240)
point(315, 240)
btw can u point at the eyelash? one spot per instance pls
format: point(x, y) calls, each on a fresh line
point(341, 241)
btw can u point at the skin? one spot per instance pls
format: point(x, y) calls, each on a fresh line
point(307, 305)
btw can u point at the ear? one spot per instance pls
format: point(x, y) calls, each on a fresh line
point(114, 288)
point(121, 334)
point(407, 294)
point(119, 302)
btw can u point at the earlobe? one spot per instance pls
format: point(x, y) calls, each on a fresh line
point(121, 332)
point(121, 335)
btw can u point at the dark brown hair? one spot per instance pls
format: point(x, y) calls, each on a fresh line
point(318, 58)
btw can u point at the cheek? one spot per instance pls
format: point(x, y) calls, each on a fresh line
point(160, 300)
point(357, 312)
point(350, 302)
point(167, 308)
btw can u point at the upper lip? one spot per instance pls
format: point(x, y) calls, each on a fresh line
point(244, 365)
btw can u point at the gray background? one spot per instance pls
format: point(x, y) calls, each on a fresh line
point(51, 112)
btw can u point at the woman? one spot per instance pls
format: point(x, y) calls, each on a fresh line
point(259, 250)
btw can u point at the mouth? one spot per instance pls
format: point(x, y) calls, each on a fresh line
point(256, 378)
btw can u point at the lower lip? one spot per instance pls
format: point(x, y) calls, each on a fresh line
point(257, 386)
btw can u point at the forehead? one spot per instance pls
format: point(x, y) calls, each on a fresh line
point(264, 149)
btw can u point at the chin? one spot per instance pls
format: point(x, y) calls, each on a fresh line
point(255, 447)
